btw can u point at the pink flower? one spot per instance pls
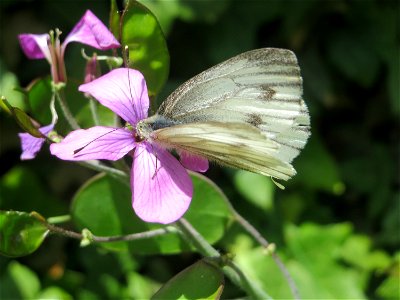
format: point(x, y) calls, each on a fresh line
point(89, 31)
point(161, 187)
point(31, 145)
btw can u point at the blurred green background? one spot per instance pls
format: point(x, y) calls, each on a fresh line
point(337, 223)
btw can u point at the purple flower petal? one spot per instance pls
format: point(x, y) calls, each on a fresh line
point(193, 162)
point(161, 187)
point(31, 145)
point(122, 90)
point(91, 31)
point(35, 46)
point(94, 143)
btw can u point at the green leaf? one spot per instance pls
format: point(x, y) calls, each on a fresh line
point(19, 282)
point(315, 264)
point(39, 94)
point(303, 239)
point(148, 50)
point(22, 189)
point(353, 56)
point(356, 250)
point(4, 105)
point(322, 163)
point(25, 122)
point(389, 288)
point(199, 281)
point(189, 11)
point(20, 233)
point(105, 115)
point(114, 19)
point(258, 189)
point(111, 200)
point(140, 287)
point(22, 119)
point(54, 292)
point(8, 88)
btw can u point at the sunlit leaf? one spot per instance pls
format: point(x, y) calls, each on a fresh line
point(199, 281)
point(357, 251)
point(148, 50)
point(54, 292)
point(389, 288)
point(314, 264)
point(8, 88)
point(20, 233)
point(141, 287)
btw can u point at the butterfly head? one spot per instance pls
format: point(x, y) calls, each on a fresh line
point(143, 130)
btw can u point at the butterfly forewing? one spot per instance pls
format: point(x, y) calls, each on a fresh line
point(259, 90)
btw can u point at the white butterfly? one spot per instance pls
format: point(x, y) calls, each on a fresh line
point(246, 112)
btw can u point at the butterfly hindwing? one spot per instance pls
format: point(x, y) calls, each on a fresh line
point(232, 144)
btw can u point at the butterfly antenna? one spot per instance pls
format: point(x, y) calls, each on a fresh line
point(127, 63)
point(83, 147)
point(155, 154)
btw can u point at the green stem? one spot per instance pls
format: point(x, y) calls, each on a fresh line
point(93, 110)
point(54, 115)
point(231, 270)
point(115, 173)
point(108, 239)
point(122, 165)
point(59, 219)
point(66, 111)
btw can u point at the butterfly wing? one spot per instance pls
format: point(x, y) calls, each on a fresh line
point(260, 88)
point(237, 145)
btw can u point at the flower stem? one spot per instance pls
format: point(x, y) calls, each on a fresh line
point(231, 270)
point(115, 173)
point(66, 111)
point(93, 110)
point(54, 115)
point(59, 219)
point(108, 239)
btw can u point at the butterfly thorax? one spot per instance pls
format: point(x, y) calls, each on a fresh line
point(144, 128)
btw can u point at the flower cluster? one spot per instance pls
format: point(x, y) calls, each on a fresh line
point(88, 31)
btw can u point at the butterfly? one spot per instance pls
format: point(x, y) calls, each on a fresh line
point(246, 112)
